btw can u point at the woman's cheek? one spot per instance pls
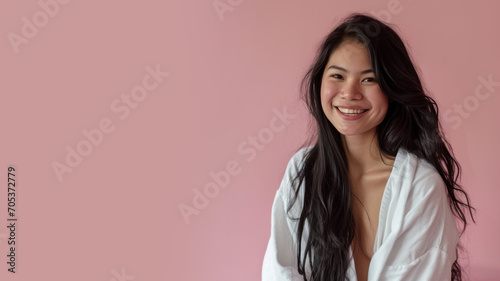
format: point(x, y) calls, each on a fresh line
point(327, 95)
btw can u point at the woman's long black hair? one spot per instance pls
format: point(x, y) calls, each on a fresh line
point(411, 123)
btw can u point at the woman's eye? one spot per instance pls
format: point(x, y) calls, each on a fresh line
point(371, 79)
point(337, 76)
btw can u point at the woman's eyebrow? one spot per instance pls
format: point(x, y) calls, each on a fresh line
point(347, 71)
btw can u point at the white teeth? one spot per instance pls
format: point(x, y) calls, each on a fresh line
point(350, 111)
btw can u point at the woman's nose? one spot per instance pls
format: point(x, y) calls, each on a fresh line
point(351, 91)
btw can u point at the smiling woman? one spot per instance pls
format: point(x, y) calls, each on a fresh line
point(376, 195)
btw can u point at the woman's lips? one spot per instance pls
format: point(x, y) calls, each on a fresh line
point(351, 113)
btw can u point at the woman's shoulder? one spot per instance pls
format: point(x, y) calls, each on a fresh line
point(294, 167)
point(409, 164)
point(296, 162)
point(422, 177)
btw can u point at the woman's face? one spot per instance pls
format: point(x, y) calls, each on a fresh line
point(350, 96)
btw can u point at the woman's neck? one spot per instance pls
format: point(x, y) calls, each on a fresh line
point(363, 153)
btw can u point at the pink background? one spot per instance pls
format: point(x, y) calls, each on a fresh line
point(118, 212)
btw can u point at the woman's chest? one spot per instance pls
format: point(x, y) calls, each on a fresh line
point(367, 195)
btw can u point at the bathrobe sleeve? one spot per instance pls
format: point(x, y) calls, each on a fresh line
point(280, 259)
point(420, 238)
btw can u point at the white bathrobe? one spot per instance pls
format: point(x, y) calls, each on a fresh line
point(416, 237)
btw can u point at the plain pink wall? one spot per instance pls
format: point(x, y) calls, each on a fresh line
point(234, 67)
